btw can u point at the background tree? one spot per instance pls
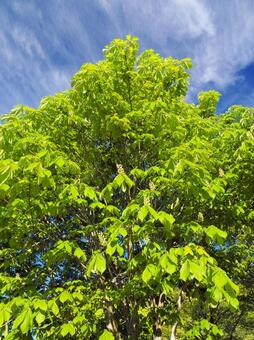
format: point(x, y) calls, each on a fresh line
point(125, 211)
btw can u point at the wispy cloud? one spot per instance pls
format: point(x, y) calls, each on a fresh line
point(231, 47)
point(217, 34)
point(43, 43)
point(161, 19)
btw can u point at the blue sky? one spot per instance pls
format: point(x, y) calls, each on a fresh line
point(43, 43)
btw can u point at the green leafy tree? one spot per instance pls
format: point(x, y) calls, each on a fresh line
point(126, 212)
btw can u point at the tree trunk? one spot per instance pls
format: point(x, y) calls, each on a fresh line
point(157, 329)
point(174, 327)
point(111, 322)
point(133, 328)
point(173, 331)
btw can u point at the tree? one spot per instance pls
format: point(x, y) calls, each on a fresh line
point(125, 211)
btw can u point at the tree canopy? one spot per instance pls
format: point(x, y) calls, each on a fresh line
point(126, 212)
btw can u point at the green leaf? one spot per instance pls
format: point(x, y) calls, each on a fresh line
point(42, 304)
point(65, 246)
point(185, 271)
point(65, 296)
point(60, 162)
point(233, 302)
point(179, 167)
point(99, 313)
point(143, 212)
point(120, 250)
point(122, 231)
point(130, 210)
point(7, 169)
point(107, 192)
point(205, 324)
point(73, 191)
point(128, 181)
point(67, 328)
point(4, 187)
point(197, 270)
point(55, 308)
point(137, 173)
point(153, 213)
point(97, 264)
point(79, 253)
point(217, 331)
point(219, 278)
point(112, 210)
point(135, 229)
point(231, 286)
point(118, 181)
point(68, 247)
point(146, 275)
point(167, 264)
point(149, 272)
point(106, 335)
point(27, 322)
point(166, 219)
point(166, 287)
point(216, 294)
point(19, 319)
point(100, 263)
point(90, 193)
point(97, 205)
point(110, 249)
point(40, 318)
point(5, 314)
point(216, 234)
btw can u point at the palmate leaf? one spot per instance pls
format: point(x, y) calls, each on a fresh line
point(65, 296)
point(216, 234)
point(40, 304)
point(67, 328)
point(122, 181)
point(167, 264)
point(24, 320)
point(97, 264)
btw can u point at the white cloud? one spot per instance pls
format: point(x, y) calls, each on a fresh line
point(162, 19)
point(27, 70)
point(218, 58)
point(217, 34)
point(42, 46)
point(27, 41)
